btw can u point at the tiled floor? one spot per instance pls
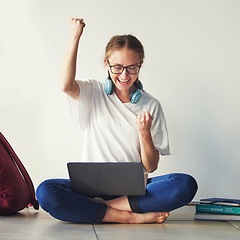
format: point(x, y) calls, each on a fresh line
point(36, 225)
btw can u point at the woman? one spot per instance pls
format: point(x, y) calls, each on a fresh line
point(120, 123)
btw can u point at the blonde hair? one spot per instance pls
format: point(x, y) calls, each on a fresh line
point(121, 41)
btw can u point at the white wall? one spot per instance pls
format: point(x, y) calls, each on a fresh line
point(192, 66)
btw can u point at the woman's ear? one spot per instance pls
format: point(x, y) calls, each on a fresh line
point(105, 61)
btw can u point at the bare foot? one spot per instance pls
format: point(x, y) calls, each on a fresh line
point(114, 215)
point(153, 217)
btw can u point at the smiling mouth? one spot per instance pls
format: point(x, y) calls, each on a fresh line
point(124, 82)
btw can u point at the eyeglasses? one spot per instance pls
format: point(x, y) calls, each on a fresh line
point(118, 69)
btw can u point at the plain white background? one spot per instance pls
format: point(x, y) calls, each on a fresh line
point(192, 67)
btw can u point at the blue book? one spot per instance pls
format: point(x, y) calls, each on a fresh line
point(221, 201)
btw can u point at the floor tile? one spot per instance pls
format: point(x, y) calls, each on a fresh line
point(180, 230)
point(236, 224)
point(185, 213)
point(40, 226)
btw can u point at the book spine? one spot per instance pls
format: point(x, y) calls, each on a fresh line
point(211, 208)
point(217, 217)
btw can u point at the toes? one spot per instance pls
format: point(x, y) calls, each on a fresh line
point(165, 214)
point(163, 217)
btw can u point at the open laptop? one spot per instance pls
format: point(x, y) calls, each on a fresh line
point(111, 178)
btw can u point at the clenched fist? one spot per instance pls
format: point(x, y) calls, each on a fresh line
point(77, 26)
point(144, 121)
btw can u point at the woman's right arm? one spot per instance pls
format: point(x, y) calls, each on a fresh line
point(68, 82)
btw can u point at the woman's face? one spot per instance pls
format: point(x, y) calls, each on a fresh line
point(122, 58)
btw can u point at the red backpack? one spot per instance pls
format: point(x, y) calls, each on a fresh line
point(16, 187)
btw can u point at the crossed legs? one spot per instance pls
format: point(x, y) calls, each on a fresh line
point(119, 210)
point(163, 194)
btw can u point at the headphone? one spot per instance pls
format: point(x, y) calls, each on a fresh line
point(135, 95)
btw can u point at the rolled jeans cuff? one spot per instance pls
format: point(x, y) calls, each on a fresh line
point(102, 208)
point(133, 202)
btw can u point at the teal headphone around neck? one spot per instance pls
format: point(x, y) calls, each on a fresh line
point(135, 95)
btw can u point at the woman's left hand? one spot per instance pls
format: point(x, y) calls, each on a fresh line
point(149, 154)
point(144, 121)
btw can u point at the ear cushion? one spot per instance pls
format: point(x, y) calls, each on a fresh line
point(108, 86)
point(135, 96)
point(137, 93)
point(140, 85)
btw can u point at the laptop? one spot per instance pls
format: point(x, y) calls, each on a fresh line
point(110, 178)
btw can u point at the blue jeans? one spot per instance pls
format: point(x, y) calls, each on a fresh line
point(163, 194)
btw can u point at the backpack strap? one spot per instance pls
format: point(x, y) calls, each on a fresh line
point(23, 171)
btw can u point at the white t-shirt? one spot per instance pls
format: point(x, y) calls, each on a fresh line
point(110, 133)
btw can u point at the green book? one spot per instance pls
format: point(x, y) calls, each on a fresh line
point(221, 209)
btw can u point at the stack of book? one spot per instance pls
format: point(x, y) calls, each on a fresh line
point(222, 209)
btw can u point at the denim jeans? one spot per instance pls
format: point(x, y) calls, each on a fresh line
point(163, 194)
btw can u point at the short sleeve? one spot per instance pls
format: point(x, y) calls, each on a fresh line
point(81, 108)
point(159, 130)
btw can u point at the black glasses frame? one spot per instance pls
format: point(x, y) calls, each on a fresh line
point(127, 68)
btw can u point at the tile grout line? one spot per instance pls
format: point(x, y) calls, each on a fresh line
point(94, 230)
point(231, 223)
